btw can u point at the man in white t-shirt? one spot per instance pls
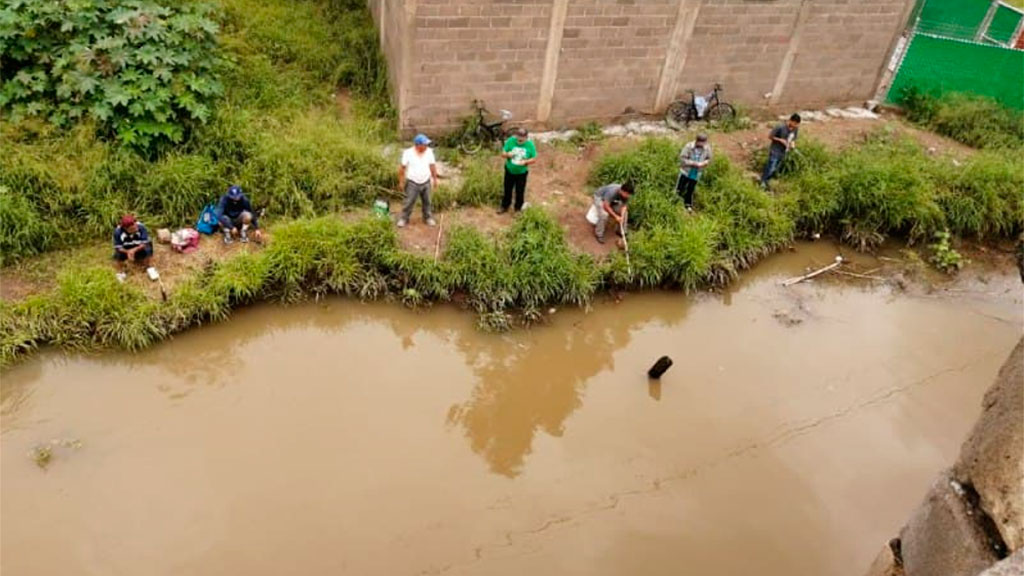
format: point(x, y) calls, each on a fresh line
point(416, 175)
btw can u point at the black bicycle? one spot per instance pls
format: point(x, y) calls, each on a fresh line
point(710, 108)
point(481, 132)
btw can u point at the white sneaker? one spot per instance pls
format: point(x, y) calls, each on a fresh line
point(402, 223)
point(431, 222)
point(121, 276)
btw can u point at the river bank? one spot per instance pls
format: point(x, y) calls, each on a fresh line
point(802, 424)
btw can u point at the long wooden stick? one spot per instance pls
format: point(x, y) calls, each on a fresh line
point(625, 243)
point(437, 245)
point(855, 275)
point(832, 266)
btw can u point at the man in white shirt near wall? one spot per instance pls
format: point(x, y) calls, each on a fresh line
point(416, 176)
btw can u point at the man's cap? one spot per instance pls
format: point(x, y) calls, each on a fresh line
point(702, 137)
point(127, 221)
point(235, 191)
point(421, 140)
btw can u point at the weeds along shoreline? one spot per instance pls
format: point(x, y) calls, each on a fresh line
point(885, 187)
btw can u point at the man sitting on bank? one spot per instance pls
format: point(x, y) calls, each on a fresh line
point(131, 244)
point(236, 216)
point(611, 201)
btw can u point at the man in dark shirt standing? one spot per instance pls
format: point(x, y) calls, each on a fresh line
point(131, 244)
point(235, 214)
point(783, 139)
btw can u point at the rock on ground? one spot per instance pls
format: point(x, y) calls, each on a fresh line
point(992, 458)
point(942, 538)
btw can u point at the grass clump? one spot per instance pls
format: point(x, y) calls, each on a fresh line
point(481, 185)
point(973, 120)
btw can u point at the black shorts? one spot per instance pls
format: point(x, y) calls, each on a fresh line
point(146, 252)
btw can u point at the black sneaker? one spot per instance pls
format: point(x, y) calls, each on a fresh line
point(501, 211)
point(600, 239)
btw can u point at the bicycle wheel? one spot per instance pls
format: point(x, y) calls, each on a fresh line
point(677, 116)
point(721, 112)
point(471, 142)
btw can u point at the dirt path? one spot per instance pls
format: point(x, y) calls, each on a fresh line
point(558, 183)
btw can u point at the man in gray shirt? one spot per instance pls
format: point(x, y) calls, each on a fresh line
point(611, 202)
point(694, 158)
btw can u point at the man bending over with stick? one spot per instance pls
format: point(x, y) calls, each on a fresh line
point(611, 201)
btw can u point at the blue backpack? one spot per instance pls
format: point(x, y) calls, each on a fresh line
point(208, 223)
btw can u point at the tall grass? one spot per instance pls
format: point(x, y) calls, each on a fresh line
point(277, 132)
point(976, 121)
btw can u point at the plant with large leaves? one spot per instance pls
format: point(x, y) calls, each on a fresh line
point(144, 70)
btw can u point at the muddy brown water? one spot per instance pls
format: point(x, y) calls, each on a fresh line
point(794, 435)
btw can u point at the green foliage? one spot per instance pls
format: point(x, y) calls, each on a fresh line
point(678, 255)
point(751, 223)
point(544, 268)
point(90, 308)
point(976, 121)
point(22, 231)
point(589, 133)
point(143, 70)
point(651, 165)
point(944, 257)
point(985, 197)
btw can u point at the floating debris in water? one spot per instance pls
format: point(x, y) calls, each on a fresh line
point(43, 454)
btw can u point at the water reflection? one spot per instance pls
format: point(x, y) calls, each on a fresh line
point(536, 381)
point(524, 381)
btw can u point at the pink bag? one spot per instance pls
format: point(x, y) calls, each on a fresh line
point(185, 240)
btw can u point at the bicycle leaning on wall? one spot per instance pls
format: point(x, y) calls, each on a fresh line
point(710, 108)
point(479, 131)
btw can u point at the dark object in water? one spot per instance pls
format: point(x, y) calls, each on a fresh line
point(659, 368)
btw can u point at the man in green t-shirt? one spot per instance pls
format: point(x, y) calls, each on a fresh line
point(518, 152)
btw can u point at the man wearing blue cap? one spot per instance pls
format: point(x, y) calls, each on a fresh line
point(236, 216)
point(416, 175)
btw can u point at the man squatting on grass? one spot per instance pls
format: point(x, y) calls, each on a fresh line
point(235, 216)
point(519, 152)
point(783, 139)
point(694, 157)
point(416, 175)
point(611, 202)
point(131, 244)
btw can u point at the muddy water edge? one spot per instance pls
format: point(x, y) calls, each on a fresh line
point(797, 430)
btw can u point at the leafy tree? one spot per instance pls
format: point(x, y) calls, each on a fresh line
point(144, 70)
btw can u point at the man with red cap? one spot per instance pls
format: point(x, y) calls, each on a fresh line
point(131, 244)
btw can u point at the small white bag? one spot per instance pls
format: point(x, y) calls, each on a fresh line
point(592, 215)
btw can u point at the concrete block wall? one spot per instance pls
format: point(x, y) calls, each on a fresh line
point(612, 53)
point(740, 44)
point(564, 62)
point(843, 47)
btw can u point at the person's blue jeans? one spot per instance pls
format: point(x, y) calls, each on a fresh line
point(228, 223)
point(771, 167)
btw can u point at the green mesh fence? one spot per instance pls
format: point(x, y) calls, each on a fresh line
point(939, 65)
point(1003, 25)
point(953, 18)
